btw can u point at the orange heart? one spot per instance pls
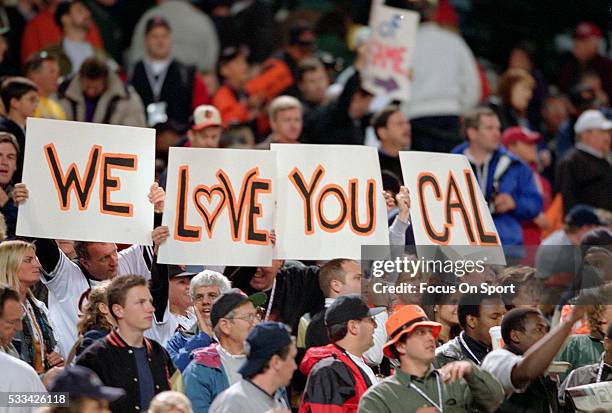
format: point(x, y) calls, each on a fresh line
point(209, 193)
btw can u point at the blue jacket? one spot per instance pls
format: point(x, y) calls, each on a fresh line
point(182, 343)
point(204, 378)
point(518, 182)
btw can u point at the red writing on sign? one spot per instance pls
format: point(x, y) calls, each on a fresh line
point(243, 207)
point(388, 57)
point(315, 197)
point(82, 185)
point(454, 205)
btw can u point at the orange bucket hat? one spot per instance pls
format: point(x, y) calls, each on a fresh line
point(404, 321)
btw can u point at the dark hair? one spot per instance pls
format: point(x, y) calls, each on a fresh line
point(93, 68)
point(515, 320)
point(381, 119)
point(119, 288)
point(332, 270)
point(62, 9)
point(469, 304)
point(80, 247)
point(393, 349)
point(35, 61)
point(15, 88)
point(307, 65)
point(390, 181)
point(7, 293)
point(471, 120)
point(609, 332)
point(283, 353)
point(337, 331)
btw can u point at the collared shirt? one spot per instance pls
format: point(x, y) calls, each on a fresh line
point(245, 396)
point(477, 348)
point(590, 150)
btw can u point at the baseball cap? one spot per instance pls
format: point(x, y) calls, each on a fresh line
point(349, 307)
point(262, 342)
point(297, 32)
point(205, 116)
point(175, 271)
point(518, 134)
point(232, 299)
point(592, 119)
point(231, 52)
point(584, 30)
point(404, 321)
point(582, 215)
point(80, 381)
point(156, 21)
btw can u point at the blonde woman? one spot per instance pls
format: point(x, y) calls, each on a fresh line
point(20, 269)
point(170, 402)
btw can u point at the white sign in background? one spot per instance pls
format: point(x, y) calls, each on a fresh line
point(216, 179)
point(436, 216)
point(390, 52)
point(325, 229)
point(73, 143)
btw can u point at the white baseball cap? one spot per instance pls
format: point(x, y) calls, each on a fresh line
point(205, 116)
point(592, 120)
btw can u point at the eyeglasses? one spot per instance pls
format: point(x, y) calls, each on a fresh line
point(249, 318)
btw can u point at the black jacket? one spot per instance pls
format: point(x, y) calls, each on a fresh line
point(114, 361)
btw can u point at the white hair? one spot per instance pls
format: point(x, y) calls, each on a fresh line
point(209, 278)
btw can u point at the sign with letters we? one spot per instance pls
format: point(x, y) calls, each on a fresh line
point(87, 182)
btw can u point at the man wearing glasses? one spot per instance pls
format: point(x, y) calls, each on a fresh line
point(215, 368)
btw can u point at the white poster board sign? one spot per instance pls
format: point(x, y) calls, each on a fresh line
point(219, 207)
point(447, 207)
point(87, 182)
point(592, 396)
point(390, 52)
point(329, 201)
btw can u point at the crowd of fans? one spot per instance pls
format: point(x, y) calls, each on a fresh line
point(119, 331)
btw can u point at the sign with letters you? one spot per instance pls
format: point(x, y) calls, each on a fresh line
point(87, 182)
point(390, 51)
point(219, 207)
point(329, 201)
point(448, 209)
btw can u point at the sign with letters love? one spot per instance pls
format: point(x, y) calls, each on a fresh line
point(329, 201)
point(87, 182)
point(219, 207)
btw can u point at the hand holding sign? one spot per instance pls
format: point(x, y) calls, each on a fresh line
point(20, 193)
point(157, 197)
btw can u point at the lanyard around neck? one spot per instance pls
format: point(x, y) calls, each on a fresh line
point(440, 404)
point(467, 348)
point(271, 301)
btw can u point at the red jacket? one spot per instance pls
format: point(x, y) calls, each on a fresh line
point(335, 383)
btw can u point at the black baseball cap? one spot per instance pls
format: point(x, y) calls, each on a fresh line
point(581, 215)
point(262, 342)
point(232, 299)
point(349, 307)
point(175, 271)
point(156, 21)
point(80, 381)
point(231, 52)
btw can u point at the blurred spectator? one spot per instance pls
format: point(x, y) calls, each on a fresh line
point(592, 79)
point(507, 183)
point(345, 117)
point(360, 42)
point(20, 100)
point(205, 132)
point(170, 402)
point(9, 153)
point(195, 39)
point(584, 175)
point(555, 111)
point(6, 67)
point(17, 16)
point(43, 31)
point(313, 82)
point(522, 143)
point(446, 84)
point(285, 114)
point(514, 93)
point(301, 44)
point(42, 69)
point(522, 56)
point(106, 13)
point(97, 94)
point(74, 19)
point(585, 57)
point(170, 90)
point(86, 393)
point(393, 131)
point(236, 106)
point(11, 315)
point(582, 98)
point(524, 289)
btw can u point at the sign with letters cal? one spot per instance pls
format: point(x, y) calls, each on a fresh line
point(87, 182)
point(390, 51)
point(447, 207)
point(219, 207)
point(329, 201)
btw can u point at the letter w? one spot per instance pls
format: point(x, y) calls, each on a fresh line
point(72, 180)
